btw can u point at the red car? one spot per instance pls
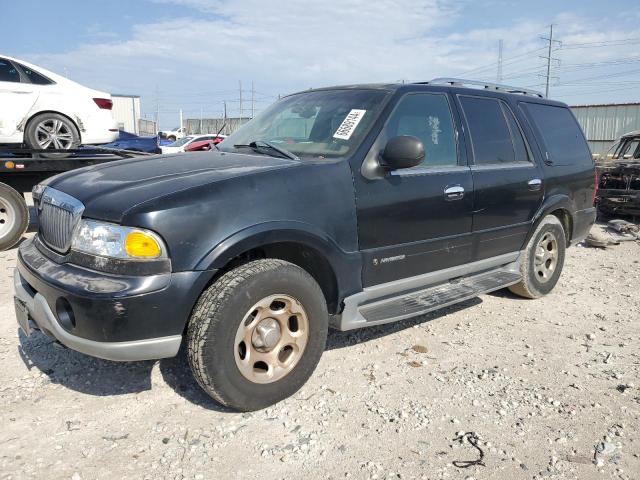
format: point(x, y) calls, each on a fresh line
point(203, 145)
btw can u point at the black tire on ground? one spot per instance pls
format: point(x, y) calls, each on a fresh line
point(532, 284)
point(211, 334)
point(14, 216)
point(65, 128)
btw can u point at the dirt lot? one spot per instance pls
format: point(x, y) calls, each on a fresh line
point(549, 386)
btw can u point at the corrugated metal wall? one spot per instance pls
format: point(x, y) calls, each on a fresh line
point(126, 111)
point(213, 125)
point(603, 124)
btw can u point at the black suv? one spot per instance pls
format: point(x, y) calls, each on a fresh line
point(344, 207)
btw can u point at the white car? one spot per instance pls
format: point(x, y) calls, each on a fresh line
point(175, 134)
point(180, 145)
point(44, 110)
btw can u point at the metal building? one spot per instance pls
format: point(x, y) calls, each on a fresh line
point(126, 111)
point(603, 124)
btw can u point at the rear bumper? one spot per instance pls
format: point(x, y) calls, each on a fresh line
point(115, 317)
point(583, 220)
point(100, 128)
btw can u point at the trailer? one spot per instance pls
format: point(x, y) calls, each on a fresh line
point(21, 170)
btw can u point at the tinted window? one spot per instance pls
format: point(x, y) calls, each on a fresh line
point(561, 134)
point(490, 135)
point(519, 145)
point(34, 77)
point(427, 117)
point(8, 72)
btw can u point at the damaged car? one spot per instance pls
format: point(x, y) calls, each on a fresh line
point(42, 110)
point(619, 178)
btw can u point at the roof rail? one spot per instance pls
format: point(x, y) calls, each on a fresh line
point(461, 82)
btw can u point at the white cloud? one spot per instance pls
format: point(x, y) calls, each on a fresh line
point(294, 44)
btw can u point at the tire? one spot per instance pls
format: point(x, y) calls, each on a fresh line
point(51, 131)
point(229, 309)
point(14, 216)
point(534, 284)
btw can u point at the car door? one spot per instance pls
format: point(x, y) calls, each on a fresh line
point(416, 220)
point(508, 187)
point(17, 96)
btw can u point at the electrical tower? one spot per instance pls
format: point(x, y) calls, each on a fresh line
point(549, 58)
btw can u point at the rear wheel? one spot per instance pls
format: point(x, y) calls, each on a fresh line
point(49, 131)
point(543, 259)
point(257, 334)
point(14, 216)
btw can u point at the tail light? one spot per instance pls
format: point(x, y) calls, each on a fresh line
point(104, 103)
point(596, 181)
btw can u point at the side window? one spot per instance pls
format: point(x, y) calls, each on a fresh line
point(427, 117)
point(34, 77)
point(490, 134)
point(519, 145)
point(8, 72)
point(561, 134)
point(629, 150)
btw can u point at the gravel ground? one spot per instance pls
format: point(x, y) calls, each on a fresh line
point(549, 386)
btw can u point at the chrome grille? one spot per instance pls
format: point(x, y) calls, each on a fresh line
point(58, 215)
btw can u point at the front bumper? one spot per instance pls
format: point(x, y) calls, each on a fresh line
point(114, 317)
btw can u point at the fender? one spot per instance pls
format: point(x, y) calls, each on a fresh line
point(346, 266)
point(554, 202)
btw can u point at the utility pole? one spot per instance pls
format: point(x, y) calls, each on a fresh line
point(180, 115)
point(499, 76)
point(253, 105)
point(549, 58)
point(240, 84)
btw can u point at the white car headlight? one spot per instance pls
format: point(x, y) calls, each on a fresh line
point(115, 241)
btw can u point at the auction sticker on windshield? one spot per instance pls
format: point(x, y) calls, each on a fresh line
point(349, 124)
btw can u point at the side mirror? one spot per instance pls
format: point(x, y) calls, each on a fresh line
point(403, 151)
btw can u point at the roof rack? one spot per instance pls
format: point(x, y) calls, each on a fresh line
point(461, 82)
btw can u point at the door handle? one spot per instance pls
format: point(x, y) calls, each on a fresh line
point(534, 184)
point(455, 192)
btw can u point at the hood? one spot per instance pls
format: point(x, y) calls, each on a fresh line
point(110, 189)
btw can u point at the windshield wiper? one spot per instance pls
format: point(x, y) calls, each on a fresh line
point(257, 144)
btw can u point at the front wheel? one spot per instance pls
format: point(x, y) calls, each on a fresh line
point(542, 260)
point(14, 216)
point(257, 334)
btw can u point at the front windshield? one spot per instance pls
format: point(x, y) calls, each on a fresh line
point(181, 142)
point(324, 123)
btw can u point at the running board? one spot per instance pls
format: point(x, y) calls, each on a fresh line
point(421, 301)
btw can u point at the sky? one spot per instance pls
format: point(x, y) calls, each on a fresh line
point(194, 54)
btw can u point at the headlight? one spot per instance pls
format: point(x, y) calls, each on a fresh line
point(115, 241)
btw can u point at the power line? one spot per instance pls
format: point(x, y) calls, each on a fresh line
point(603, 43)
point(507, 61)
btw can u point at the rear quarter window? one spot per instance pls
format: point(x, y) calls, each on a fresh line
point(563, 140)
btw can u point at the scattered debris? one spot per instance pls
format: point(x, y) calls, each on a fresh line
point(419, 349)
point(473, 440)
point(578, 459)
point(624, 387)
point(599, 240)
